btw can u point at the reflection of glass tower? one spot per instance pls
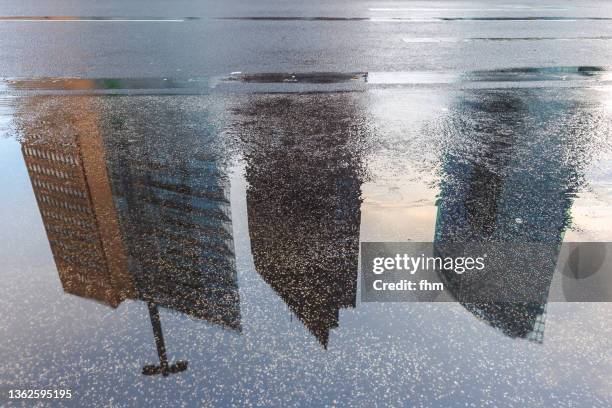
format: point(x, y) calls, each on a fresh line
point(304, 175)
point(171, 196)
point(509, 177)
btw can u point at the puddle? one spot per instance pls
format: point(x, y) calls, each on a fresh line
point(308, 81)
point(228, 227)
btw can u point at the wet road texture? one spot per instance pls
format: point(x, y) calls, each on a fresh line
point(185, 191)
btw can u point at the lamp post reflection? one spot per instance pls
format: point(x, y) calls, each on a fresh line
point(163, 368)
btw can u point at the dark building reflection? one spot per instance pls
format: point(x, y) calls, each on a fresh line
point(509, 175)
point(172, 200)
point(304, 171)
point(130, 215)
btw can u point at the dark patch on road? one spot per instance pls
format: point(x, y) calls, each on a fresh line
point(303, 77)
point(283, 82)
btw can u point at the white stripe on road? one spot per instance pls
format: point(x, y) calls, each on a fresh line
point(459, 19)
point(468, 9)
point(500, 39)
point(90, 20)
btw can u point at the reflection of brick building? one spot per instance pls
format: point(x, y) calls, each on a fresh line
point(69, 179)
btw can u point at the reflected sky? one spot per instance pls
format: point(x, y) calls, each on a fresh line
point(141, 232)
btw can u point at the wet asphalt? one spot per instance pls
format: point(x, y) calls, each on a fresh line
point(206, 174)
point(208, 38)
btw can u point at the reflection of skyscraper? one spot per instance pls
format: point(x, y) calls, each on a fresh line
point(69, 180)
point(473, 183)
point(304, 170)
point(154, 226)
point(172, 200)
point(507, 179)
